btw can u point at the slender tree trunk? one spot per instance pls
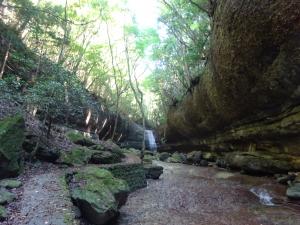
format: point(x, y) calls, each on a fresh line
point(5, 60)
point(115, 81)
point(136, 91)
point(116, 120)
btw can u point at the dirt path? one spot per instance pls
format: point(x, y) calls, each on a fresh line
point(43, 199)
point(189, 195)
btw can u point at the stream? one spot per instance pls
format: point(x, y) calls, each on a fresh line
point(190, 195)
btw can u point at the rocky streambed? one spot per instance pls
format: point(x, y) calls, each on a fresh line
point(190, 195)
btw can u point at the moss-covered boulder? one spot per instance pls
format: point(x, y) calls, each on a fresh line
point(11, 139)
point(78, 138)
point(194, 157)
point(109, 147)
point(133, 174)
point(105, 157)
point(210, 156)
point(176, 158)
point(3, 213)
point(164, 156)
point(149, 158)
point(81, 155)
point(76, 156)
point(6, 196)
point(98, 194)
point(10, 183)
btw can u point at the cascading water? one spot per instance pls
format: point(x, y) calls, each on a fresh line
point(263, 195)
point(151, 140)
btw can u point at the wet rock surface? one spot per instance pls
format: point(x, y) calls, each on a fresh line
point(189, 195)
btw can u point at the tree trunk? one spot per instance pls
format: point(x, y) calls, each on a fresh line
point(5, 60)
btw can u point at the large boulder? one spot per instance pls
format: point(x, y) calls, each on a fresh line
point(176, 158)
point(104, 157)
point(110, 146)
point(78, 138)
point(98, 194)
point(11, 139)
point(95, 154)
point(76, 156)
point(133, 174)
point(194, 157)
point(163, 156)
point(293, 191)
point(259, 163)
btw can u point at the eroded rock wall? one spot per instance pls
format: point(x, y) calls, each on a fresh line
point(249, 95)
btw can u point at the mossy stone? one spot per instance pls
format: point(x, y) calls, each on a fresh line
point(11, 140)
point(3, 213)
point(10, 183)
point(175, 158)
point(78, 138)
point(98, 194)
point(148, 158)
point(164, 156)
point(6, 196)
point(76, 156)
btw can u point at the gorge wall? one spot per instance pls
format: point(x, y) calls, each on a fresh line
point(248, 98)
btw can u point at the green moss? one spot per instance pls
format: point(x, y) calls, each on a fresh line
point(98, 194)
point(6, 196)
point(133, 174)
point(149, 158)
point(164, 156)
point(131, 151)
point(76, 156)
point(3, 213)
point(10, 183)
point(175, 158)
point(11, 139)
point(101, 178)
point(77, 138)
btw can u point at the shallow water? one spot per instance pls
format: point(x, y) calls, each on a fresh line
point(189, 195)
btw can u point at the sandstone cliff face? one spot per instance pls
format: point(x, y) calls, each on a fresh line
point(249, 95)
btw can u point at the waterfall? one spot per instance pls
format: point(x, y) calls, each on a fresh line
point(151, 140)
point(263, 195)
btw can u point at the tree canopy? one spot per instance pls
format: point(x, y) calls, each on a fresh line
point(70, 48)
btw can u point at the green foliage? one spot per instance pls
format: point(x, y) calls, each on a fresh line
point(71, 54)
point(181, 54)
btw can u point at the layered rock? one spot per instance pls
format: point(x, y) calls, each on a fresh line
point(248, 98)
